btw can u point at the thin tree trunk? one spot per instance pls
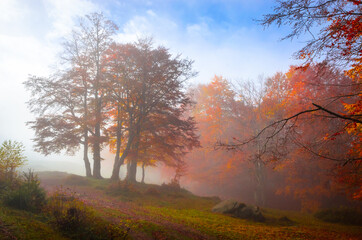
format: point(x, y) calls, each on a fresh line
point(260, 181)
point(97, 144)
point(143, 172)
point(98, 113)
point(118, 146)
point(88, 170)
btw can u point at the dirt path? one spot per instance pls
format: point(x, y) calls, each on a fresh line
point(121, 211)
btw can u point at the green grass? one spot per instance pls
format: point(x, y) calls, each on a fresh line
point(160, 212)
point(161, 196)
point(25, 225)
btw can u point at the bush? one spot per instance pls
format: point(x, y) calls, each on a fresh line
point(340, 215)
point(11, 158)
point(77, 221)
point(28, 195)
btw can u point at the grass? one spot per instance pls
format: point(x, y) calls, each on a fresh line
point(159, 212)
point(19, 224)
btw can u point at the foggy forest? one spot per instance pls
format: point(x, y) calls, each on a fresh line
point(247, 125)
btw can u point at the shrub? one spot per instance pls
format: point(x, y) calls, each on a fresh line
point(77, 221)
point(342, 215)
point(28, 195)
point(11, 158)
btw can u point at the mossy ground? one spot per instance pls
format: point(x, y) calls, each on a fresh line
point(158, 212)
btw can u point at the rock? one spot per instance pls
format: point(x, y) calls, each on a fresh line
point(239, 210)
point(228, 206)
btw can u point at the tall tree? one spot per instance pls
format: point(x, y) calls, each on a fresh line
point(337, 42)
point(62, 121)
point(151, 84)
point(96, 32)
point(69, 104)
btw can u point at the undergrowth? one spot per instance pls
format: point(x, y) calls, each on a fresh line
point(342, 215)
point(78, 221)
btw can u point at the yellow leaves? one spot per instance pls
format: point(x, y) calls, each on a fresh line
point(229, 164)
point(326, 137)
point(279, 167)
point(355, 73)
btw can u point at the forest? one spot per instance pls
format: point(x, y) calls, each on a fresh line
point(289, 141)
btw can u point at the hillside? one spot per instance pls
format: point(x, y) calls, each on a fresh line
point(145, 211)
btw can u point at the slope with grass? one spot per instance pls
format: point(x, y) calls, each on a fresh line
point(148, 211)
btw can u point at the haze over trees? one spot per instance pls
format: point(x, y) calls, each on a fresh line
point(296, 133)
point(129, 96)
point(316, 106)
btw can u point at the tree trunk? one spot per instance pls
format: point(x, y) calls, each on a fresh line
point(97, 137)
point(88, 171)
point(96, 160)
point(143, 172)
point(118, 146)
point(117, 165)
point(97, 153)
point(260, 182)
point(131, 175)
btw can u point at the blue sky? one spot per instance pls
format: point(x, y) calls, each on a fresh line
point(220, 36)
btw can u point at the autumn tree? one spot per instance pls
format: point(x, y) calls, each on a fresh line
point(70, 104)
point(61, 123)
point(215, 112)
point(151, 89)
point(313, 152)
point(96, 34)
point(337, 41)
point(334, 27)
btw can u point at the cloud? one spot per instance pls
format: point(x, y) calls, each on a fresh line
point(10, 10)
point(236, 53)
point(63, 15)
point(29, 42)
point(29, 35)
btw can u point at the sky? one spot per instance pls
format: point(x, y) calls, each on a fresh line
point(222, 37)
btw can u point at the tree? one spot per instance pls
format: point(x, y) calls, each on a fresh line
point(11, 158)
point(62, 122)
point(339, 38)
point(151, 87)
point(317, 145)
point(70, 103)
point(216, 112)
point(97, 33)
point(338, 42)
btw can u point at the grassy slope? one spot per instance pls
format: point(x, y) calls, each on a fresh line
point(155, 212)
point(16, 224)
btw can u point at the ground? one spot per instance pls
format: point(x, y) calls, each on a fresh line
point(161, 212)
